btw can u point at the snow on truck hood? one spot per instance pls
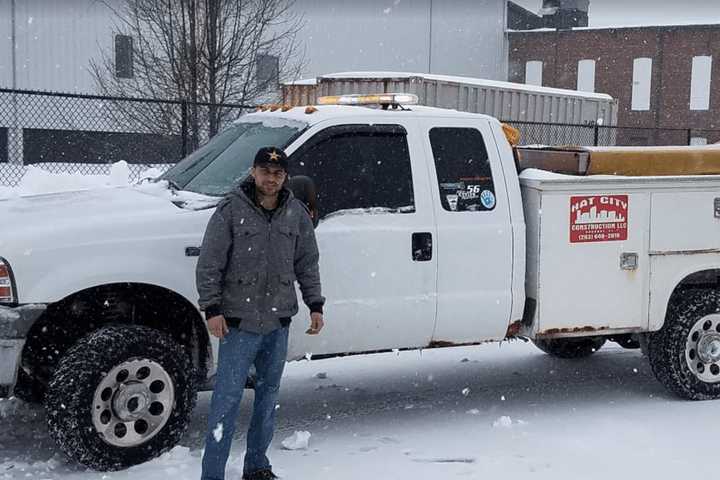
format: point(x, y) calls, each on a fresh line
point(90, 213)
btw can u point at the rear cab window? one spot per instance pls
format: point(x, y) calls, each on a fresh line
point(463, 169)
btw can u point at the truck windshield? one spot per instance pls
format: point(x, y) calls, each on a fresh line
point(215, 167)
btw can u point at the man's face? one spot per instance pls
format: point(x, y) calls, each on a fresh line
point(269, 179)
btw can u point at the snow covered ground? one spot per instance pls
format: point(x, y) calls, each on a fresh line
point(488, 412)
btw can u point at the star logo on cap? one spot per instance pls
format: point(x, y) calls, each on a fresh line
point(274, 156)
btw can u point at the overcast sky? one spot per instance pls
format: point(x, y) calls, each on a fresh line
point(604, 13)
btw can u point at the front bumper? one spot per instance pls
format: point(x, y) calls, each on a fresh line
point(15, 323)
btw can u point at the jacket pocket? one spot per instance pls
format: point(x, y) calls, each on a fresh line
point(241, 291)
point(287, 240)
point(248, 279)
point(286, 298)
point(247, 243)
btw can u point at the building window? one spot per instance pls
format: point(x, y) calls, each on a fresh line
point(358, 167)
point(267, 71)
point(463, 169)
point(586, 76)
point(123, 56)
point(700, 83)
point(642, 77)
point(534, 72)
point(698, 141)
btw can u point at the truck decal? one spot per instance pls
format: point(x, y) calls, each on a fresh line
point(598, 218)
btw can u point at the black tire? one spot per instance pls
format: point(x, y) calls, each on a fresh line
point(72, 393)
point(667, 347)
point(579, 347)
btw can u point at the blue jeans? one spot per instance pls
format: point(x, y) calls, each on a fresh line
point(238, 351)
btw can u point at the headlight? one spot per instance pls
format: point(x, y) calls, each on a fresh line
point(7, 283)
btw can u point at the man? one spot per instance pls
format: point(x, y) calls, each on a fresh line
point(257, 243)
point(304, 190)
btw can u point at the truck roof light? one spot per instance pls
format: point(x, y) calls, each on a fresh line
point(373, 99)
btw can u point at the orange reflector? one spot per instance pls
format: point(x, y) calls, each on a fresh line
point(512, 134)
point(4, 272)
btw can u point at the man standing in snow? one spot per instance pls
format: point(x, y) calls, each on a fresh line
point(257, 243)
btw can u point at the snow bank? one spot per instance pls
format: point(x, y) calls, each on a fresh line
point(36, 180)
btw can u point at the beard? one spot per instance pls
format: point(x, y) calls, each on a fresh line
point(268, 190)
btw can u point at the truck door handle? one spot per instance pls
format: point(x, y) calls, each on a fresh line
point(422, 246)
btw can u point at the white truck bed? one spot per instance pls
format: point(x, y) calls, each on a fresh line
point(578, 229)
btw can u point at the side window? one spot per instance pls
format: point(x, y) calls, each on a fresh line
point(463, 169)
point(358, 167)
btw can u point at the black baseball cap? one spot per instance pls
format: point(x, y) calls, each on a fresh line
point(271, 156)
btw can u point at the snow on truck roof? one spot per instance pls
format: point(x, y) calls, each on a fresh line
point(297, 117)
point(481, 82)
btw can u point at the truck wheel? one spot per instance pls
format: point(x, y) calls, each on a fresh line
point(121, 396)
point(570, 347)
point(685, 353)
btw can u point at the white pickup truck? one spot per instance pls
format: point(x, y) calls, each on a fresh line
point(428, 236)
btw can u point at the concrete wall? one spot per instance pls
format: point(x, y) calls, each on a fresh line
point(55, 41)
point(462, 37)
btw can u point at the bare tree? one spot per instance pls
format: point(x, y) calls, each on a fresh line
point(199, 51)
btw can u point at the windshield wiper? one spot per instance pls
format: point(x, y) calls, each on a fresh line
point(172, 184)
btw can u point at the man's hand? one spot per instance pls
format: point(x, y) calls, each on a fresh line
point(316, 323)
point(218, 327)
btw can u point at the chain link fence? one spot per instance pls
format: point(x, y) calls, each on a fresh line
point(69, 133)
point(86, 134)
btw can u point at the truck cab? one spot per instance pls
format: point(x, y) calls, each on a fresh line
point(420, 230)
point(400, 194)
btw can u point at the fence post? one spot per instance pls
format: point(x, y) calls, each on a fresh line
point(597, 134)
point(184, 127)
point(689, 136)
point(15, 142)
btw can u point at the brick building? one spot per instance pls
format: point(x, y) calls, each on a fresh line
point(664, 77)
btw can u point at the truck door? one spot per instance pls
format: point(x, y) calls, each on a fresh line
point(475, 242)
point(376, 237)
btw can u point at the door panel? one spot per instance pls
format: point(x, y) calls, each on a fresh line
point(474, 243)
point(372, 196)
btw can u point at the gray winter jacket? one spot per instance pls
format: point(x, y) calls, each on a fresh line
point(248, 265)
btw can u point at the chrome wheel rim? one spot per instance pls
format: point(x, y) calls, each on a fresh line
point(133, 403)
point(702, 349)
